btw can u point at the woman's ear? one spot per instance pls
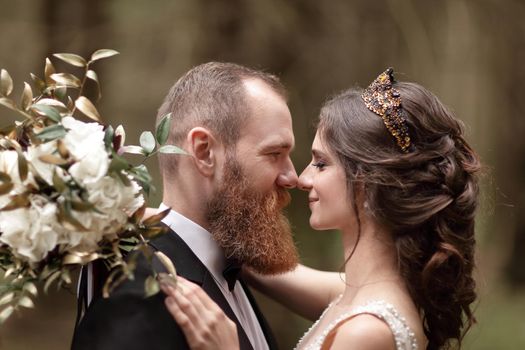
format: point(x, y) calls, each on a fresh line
point(203, 147)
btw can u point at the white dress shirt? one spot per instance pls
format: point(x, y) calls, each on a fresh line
point(211, 255)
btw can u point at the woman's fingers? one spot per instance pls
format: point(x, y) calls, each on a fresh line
point(202, 321)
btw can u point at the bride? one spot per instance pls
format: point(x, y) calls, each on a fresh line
point(392, 171)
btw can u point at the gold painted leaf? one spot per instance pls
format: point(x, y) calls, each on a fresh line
point(5, 188)
point(6, 83)
point(30, 287)
point(62, 149)
point(79, 258)
point(86, 106)
point(7, 298)
point(103, 53)
point(51, 159)
point(4, 101)
point(90, 74)
point(27, 97)
point(72, 59)
point(168, 264)
point(66, 79)
point(52, 277)
point(151, 286)
point(17, 201)
point(155, 219)
point(25, 301)
point(48, 71)
point(4, 315)
point(22, 164)
point(38, 83)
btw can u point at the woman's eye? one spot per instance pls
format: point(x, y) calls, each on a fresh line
point(319, 165)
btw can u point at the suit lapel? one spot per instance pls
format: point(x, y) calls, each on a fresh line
point(272, 343)
point(190, 267)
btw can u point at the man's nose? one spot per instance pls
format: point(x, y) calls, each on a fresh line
point(288, 178)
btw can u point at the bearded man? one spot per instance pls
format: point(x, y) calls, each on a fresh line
point(226, 201)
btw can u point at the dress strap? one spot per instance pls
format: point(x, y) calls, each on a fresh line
point(403, 336)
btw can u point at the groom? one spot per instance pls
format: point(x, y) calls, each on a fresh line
point(226, 201)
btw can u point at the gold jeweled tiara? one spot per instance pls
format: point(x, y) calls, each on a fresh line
point(384, 100)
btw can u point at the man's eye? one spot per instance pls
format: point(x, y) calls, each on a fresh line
point(319, 165)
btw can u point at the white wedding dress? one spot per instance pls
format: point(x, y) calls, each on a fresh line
point(403, 335)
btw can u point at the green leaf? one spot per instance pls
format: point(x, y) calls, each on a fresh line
point(48, 71)
point(47, 111)
point(6, 83)
point(132, 150)
point(109, 133)
point(118, 164)
point(54, 103)
point(151, 286)
point(147, 141)
point(25, 301)
point(163, 129)
point(66, 79)
point(103, 53)
point(52, 132)
point(27, 97)
point(72, 59)
point(86, 106)
point(4, 315)
point(172, 149)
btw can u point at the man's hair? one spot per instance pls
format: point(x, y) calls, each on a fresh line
point(211, 95)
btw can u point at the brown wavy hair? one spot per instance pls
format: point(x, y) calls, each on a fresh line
point(427, 198)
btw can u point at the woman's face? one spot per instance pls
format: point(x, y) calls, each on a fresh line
point(325, 181)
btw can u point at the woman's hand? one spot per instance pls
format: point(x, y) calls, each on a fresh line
point(204, 324)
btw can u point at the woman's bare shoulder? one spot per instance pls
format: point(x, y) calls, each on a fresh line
point(365, 332)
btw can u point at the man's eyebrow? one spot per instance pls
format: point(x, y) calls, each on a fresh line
point(281, 145)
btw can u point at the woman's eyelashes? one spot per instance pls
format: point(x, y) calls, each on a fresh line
point(319, 164)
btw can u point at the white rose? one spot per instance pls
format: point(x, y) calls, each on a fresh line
point(30, 232)
point(45, 170)
point(85, 142)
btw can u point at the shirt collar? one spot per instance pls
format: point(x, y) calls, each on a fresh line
point(200, 242)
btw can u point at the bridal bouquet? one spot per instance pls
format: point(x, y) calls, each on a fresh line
point(67, 194)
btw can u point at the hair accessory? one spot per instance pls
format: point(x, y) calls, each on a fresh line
point(384, 100)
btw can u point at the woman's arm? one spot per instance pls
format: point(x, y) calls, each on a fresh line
point(304, 290)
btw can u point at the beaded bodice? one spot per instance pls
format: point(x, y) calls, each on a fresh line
point(404, 337)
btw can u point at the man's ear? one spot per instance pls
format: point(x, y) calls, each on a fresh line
point(203, 146)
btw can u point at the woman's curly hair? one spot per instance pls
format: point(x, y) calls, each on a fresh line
point(427, 198)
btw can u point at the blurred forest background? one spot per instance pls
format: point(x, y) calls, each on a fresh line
point(471, 53)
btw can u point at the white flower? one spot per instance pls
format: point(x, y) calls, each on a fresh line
point(85, 142)
point(30, 232)
point(33, 154)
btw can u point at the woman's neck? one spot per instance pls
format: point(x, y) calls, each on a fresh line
point(373, 262)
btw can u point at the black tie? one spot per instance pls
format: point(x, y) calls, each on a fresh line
point(231, 272)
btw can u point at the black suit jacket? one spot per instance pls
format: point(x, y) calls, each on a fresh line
point(127, 320)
